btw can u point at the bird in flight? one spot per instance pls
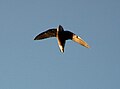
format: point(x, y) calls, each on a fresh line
point(61, 36)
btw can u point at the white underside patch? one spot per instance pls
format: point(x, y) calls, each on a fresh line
point(61, 48)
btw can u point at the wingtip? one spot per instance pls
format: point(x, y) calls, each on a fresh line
point(87, 46)
point(35, 38)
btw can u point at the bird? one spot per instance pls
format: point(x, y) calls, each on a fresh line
point(61, 36)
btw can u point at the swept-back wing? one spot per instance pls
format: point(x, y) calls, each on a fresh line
point(46, 34)
point(76, 38)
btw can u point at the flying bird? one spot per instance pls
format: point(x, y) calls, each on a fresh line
point(61, 36)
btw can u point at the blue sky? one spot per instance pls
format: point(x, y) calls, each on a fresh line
point(29, 64)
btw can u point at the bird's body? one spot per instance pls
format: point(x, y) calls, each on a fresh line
point(61, 36)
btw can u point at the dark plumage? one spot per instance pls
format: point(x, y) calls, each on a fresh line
point(61, 36)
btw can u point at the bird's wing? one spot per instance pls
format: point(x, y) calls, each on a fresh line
point(77, 39)
point(46, 34)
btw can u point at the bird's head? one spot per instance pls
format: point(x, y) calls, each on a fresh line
point(60, 28)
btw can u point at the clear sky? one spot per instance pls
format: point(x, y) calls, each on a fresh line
point(29, 64)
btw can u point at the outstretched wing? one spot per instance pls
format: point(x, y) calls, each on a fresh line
point(76, 38)
point(80, 41)
point(46, 34)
